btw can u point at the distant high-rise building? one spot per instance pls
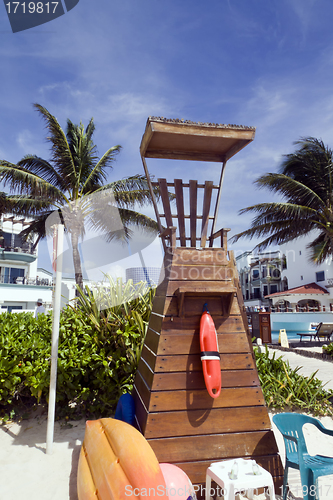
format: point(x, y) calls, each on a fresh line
point(149, 274)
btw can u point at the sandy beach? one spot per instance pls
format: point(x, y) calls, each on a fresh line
point(27, 472)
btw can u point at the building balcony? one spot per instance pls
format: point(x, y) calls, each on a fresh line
point(24, 254)
point(4, 280)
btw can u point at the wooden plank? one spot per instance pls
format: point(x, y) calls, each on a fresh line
point(218, 304)
point(201, 272)
point(195, 422)
point(152, 340)
point(159, 305)
point(200, 399)
point(193, 212)
point(146, 373)
point(140, 411)
point(180, 210)
point(235, 310)
point(180, 363)
point(196, 471)
point(141, 388)
point(149, 357)
point(166, 202)
point(155, 322)
point(200, 256)
point(205, 212)
point(194, 380)
point(190, 344)
point(232, 324)
point(203, 287)
point(214, 447)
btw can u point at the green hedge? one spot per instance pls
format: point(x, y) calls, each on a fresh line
point(285, 389)
point(97, 357)
point(328, 349)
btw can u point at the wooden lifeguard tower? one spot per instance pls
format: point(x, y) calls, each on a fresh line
point(174, 411)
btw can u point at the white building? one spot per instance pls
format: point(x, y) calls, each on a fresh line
point(20, 283)
point(286, 278)
point(259, 275)
point(307, 284)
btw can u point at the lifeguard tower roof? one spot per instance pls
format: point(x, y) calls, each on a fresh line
point(186, 140)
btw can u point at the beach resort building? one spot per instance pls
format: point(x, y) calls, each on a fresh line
point(307, 285)
point(21, 283)
point(259, 275)
point(286, 278)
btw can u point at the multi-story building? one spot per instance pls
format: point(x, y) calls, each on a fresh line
point(286, 278)
point(306, 283)
point(20, 284)
point(260, 275)
point(149, 274)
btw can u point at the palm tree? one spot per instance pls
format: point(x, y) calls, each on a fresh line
point(73, 182)
point(305, 183)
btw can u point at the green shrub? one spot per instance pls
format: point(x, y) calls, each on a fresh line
point(284, 388)
point(98, 352)
point(328, 349)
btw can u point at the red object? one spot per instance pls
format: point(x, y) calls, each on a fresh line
point(210, 356)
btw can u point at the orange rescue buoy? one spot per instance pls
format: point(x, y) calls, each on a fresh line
point(210, 355)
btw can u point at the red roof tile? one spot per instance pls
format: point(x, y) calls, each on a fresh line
point(309, 289)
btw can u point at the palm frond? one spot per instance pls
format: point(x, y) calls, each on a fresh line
point(37, 227)
point(22, 181)
point(41, 168)
point(28, 205)
point(97, 175)
point(320, 248)
point(294, 191)
point(61, 154)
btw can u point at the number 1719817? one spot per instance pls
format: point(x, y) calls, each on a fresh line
point(31, 7)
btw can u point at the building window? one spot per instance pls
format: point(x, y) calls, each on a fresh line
point(320, 276)
point(300, 252)
point(273, 289)
point(265, 290)
point(301, 278)
point(255, 274)
point(11, 273)
point(256, 293)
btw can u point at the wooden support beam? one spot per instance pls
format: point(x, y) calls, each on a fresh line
point(180, 210)
point(205, 211)
point(166, 202)
point(193, 211)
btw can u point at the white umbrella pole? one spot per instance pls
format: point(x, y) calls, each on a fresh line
point(55, 340)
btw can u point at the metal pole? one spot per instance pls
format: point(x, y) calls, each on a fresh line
point(218, 199)
point(55, 340)
point(150, 186)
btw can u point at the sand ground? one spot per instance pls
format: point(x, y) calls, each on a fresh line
point(28, 473)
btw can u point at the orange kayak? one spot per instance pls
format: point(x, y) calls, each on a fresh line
point(117, 463)
point(210, 355)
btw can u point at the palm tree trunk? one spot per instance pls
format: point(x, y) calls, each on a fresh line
point(77, 260)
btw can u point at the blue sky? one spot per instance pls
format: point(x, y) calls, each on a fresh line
point(267, 64)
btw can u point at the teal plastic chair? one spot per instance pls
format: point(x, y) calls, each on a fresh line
point(297, 457)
